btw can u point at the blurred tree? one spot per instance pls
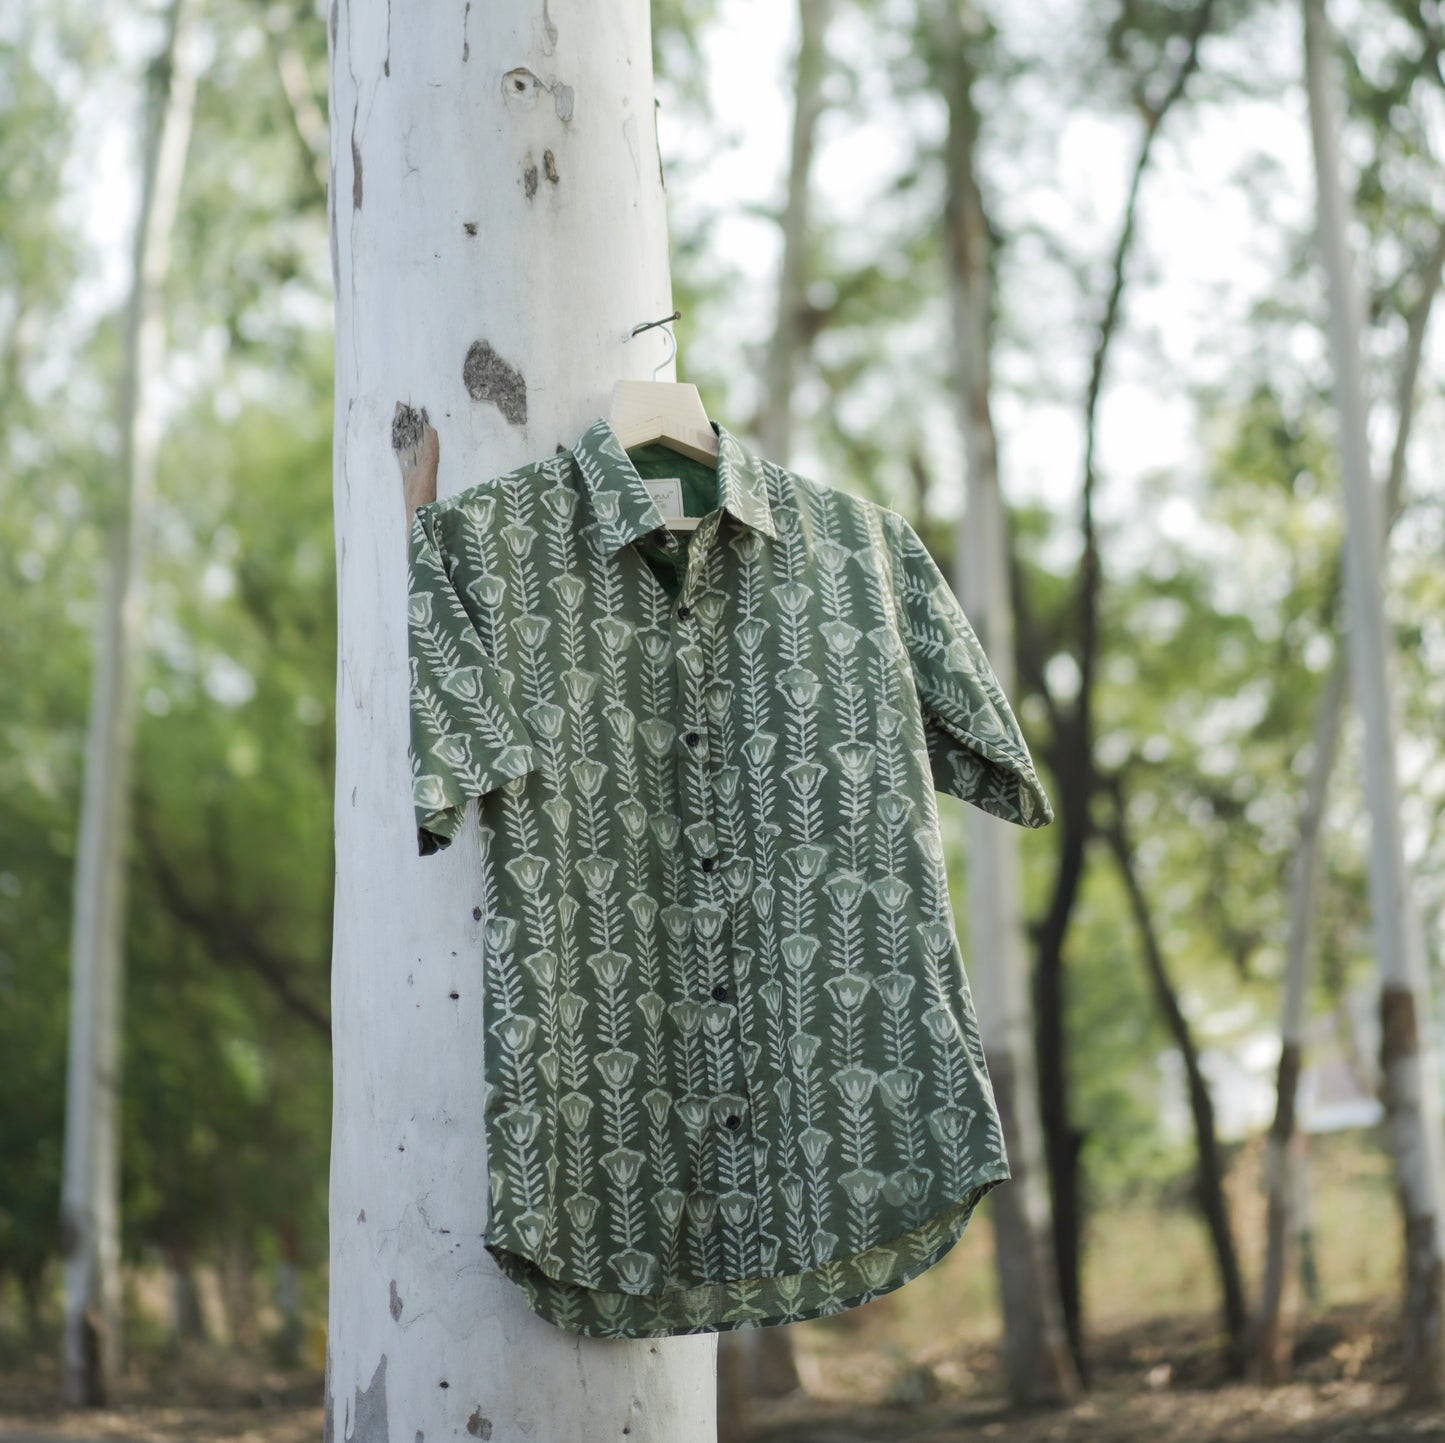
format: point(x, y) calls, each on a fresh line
point(1381, 106)
point(90, 1216)
point(793, 323)
point(1409, 1058)
point(40, 557)
point(767, 1367)
point(1159, 34)
point(1037, 1360)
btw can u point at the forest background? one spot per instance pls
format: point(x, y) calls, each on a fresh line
point(1159, 334)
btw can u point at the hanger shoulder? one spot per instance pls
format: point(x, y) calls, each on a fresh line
point(668, 412)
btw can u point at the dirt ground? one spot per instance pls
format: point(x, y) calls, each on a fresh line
point(1158, 1382)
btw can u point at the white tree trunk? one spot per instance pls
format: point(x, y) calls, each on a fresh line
point(1274, 1326)
point(790, 331)
point(498, 229)
point(1272, 1350)
point(1036, 1356)
point(1408, 1055)
point(90, 1189)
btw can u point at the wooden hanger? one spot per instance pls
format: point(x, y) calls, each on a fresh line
point(667, 413)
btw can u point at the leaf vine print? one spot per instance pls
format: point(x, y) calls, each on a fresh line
point(733, 1075)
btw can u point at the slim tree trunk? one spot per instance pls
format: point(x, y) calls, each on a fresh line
point(90, 1197)
point(498, 228)
point(1071, 752)
point(766, 1366)
point(791, 331)
point(1209, 1172)
point(1408, 1058)
point(1273, 1331)
point(1037, 1359)
point(1274, 1327)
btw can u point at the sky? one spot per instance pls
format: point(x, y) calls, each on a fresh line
point(1204, 258)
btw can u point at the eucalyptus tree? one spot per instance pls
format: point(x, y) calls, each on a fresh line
point(1408, 1053)
point(1036, 1356)
point(90, 1199)
point(498, 230)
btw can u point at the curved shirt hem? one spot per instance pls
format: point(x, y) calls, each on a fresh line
point(829, 1288)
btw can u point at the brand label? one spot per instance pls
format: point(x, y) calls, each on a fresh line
point(666, 491)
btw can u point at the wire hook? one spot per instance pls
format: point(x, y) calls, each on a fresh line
point(665, 321)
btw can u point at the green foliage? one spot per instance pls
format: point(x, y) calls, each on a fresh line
point(1219, 620)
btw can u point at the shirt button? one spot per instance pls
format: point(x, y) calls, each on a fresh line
point(691, 739)
point(733, 1120)
point(708, 863)
point(719, 993)
point(684, 612)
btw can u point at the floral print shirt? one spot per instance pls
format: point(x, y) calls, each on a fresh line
point(733, 1075)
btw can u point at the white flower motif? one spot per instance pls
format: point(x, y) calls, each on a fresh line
point(519, 1125)
point(855, 1084)
point(616, 1066)
point(545, 720)
point(616, 633)
point(635, 1270)
point(793, 596)
point(899, 1086)
point(623, 1165)
point(465, 682)
point(610, 967)
point(596, 872)
point(542, 965)
point(876, 1266)
point(575, 1108)
point(668, 1202)
point(799, 950)
point(453, 751)
point(488, 590)
point(518, 540)
point(848, 989)
point(581, 1208)
point(531, 630)
point(517, 1032)
point(862, 1184)
point(429, 793)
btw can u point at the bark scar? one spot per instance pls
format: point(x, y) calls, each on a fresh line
point(417, 450)
point(488, 377)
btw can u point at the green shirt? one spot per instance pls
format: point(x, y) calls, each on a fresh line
point(732, 1071)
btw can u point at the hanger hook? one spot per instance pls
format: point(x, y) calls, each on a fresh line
point(665, 322)
point(671, 355)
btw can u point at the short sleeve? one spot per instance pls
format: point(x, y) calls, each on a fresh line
point(466, 737)
point(975, 748)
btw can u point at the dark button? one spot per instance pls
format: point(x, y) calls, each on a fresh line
point(733, 1120)
point(708, 863)
point(719, 993)
point(684, 612)
point(691, 739)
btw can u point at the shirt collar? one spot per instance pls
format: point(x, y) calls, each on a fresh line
point(624, 507)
